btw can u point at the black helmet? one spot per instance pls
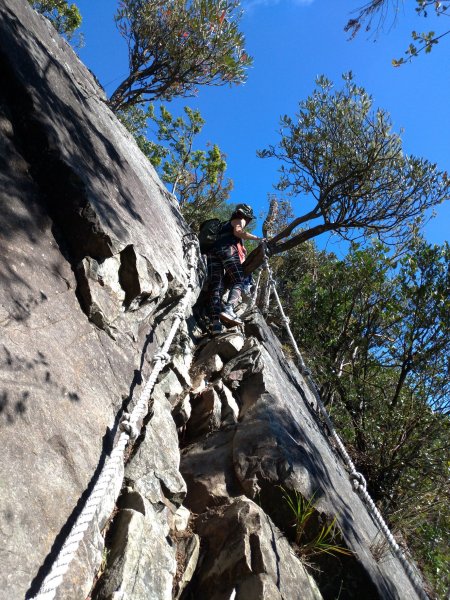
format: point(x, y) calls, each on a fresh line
point(245, 210)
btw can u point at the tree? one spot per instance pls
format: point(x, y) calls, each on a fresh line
point(422, 42)
point(375, 330)
point(137, 120)
point(278, 215)
point(64, 17)
point(197, 177)
point(419, 348)
point(176, 45)
point(343, 155)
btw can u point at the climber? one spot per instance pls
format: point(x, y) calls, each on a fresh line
point(223, 259)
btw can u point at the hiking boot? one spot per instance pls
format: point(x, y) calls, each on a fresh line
point(229, 316)
point(217, 328)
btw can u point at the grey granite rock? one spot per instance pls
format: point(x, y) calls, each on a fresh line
point(242, 544)
point(182, 411)
point(141, 560)
point(81, 263)
point(206, 414)
point(170, 387)
point(207, 467)
point(188, 552)
point(247, 362)
point(226, 346)
point(181, 518)
point(279, 441)
point(230, 408)
point(154, 470)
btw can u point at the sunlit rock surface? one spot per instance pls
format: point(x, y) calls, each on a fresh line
point(91, 262)
point(91, 270)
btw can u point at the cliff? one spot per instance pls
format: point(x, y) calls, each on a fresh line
point(92, 267)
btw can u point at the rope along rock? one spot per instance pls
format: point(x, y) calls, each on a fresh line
point(358, 480)
point(112, 474)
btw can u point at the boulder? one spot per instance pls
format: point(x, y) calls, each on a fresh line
point(247, 554)
point(207, 467)
point(140, 563)
point(154, 469)
point(169, 386)
point(181, 519)
point(247, 362)
point(204, 371)
point(188, 552)
point(226, 346)
point(230, 408)
point(206, 414)
point(182, 411)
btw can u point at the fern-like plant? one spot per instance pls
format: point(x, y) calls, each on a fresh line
point(326, 542)
point(327, 539)
point(301, 509)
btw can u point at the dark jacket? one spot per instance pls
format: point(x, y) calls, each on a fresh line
point(226, 237)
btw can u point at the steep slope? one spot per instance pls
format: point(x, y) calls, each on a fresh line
point(92, 261)
point(276, 445)
point(92, 266)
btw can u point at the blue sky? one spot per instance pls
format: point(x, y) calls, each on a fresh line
point(293, 41)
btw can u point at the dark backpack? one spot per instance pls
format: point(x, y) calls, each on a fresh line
point(209, 234)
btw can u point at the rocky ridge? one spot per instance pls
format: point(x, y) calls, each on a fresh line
point(88, 293)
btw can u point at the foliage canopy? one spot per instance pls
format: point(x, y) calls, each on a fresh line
point(344, 157)
point(197, 177)
point(65, 17)
point(421, 42)
point(176, 45)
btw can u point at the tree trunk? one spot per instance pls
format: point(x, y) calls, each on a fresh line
point(256, 257)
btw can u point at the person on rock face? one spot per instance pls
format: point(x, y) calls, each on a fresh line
point(223, 259)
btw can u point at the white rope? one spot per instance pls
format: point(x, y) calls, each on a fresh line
point(255, 293)
point(267, 292)
point(130, 427)
point(358, 481)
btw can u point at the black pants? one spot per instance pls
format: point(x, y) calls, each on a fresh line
point(224, 261)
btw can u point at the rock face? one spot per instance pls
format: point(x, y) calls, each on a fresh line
point(91, 265)
point(248, 555)
point(91, 271)
point(276, 448)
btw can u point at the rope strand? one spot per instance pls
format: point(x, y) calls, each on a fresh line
point(130, 426)
point(255, 293)
point(358, 481)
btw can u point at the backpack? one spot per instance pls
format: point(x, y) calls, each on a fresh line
point(209, 234)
